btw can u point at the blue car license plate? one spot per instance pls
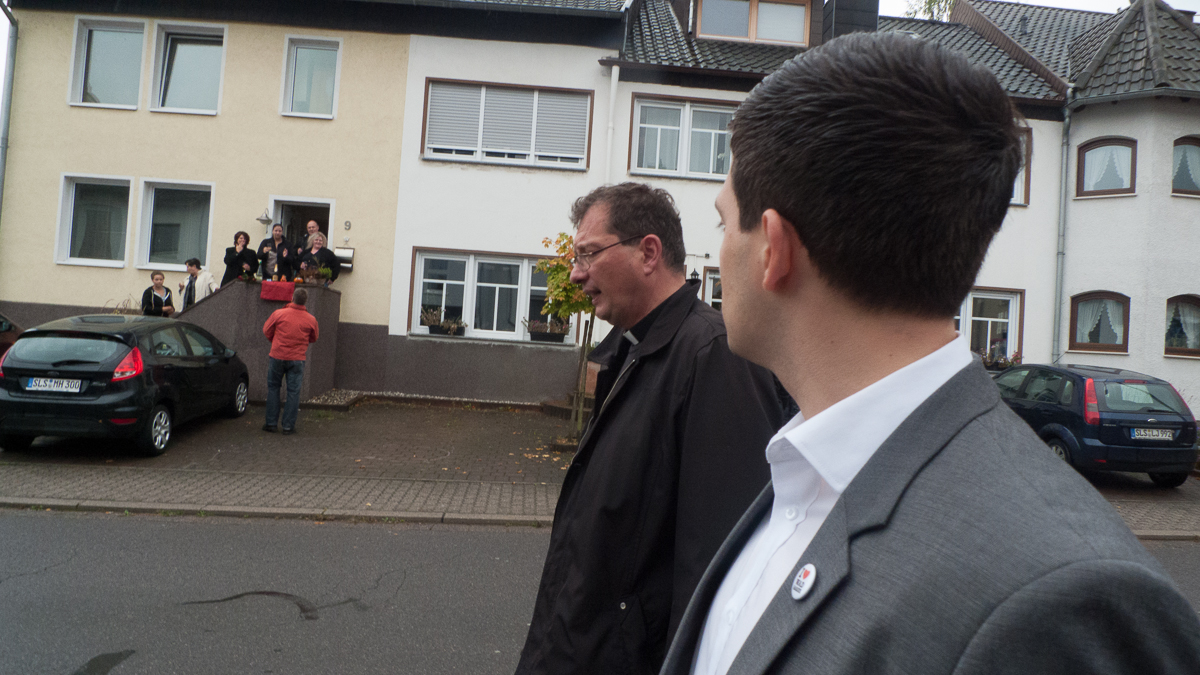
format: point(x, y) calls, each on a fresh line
point(53, 384)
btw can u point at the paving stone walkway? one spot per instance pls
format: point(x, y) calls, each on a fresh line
point(406, 461)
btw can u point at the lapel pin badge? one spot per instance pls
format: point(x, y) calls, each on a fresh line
point(803, 583)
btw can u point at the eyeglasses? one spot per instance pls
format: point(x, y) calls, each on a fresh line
point(584, 260)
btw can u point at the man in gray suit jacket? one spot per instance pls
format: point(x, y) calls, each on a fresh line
point(913, 523)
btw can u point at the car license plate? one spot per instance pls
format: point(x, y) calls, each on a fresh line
point(53, 384)
point(1154, 434)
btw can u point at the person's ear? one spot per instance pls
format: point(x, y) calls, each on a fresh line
point(779, 252)
point(651, 249)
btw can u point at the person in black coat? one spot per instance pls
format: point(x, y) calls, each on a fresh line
point(239, 259)
point(276, 255)
point(670, 460)
point(156, 300)
point(317, 256)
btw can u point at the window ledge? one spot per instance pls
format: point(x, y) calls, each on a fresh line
point(1180, 194)
point(310, 116)
point(493, 341)
point(1097, 351)
point(509, 165)
point(89, 262)
point(712, 178)
point(1181, 356)
point(1020, 204)
point(108, 106)
point(1117, 196)
point(166, 267)
point(184, 111)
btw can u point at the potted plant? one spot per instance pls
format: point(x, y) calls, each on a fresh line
point(554, 330)
point(1000, 361)
point(431, 318)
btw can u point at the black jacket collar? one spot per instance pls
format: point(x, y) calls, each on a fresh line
point(671, 314)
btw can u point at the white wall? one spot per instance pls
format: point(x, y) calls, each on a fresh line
point(1145, 245)
point(506, 209)
point(1022, 255)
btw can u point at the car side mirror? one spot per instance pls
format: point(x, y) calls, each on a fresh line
point(229, 353)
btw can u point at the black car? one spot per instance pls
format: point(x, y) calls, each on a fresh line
point(1106, 419)
point(115, 376)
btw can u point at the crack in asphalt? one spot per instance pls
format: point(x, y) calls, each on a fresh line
point(47, 568)
point(308, 610)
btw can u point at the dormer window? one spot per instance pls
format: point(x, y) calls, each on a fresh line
point(782, 22)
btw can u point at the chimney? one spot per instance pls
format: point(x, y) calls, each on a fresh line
point(1189, 13)
point(848, 16)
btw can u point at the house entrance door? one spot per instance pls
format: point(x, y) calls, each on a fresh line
point(295, 217)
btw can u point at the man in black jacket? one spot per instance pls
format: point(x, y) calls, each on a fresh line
point(671, 456)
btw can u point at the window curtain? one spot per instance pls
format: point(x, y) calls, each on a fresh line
point(1186, 170)
point(1116, 318)
point(1086, 318)
point(1189, 318)
point(1107, 168)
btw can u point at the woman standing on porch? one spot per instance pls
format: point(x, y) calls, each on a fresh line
point(239, 259)
point(156, 300)
point(274, 256)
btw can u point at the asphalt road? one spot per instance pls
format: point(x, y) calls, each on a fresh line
point(92, 594)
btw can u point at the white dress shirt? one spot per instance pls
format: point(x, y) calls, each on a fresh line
point(812, 462)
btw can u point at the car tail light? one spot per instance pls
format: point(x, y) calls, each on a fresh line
point(131, 366)
point(1091, 406)
point(1185, 405)
point(123, 420)
point(2, 357)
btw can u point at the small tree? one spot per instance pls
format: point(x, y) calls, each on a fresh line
point(938, 10)
point(565, 298)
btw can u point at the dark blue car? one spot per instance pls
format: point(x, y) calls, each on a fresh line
point(1106, 419)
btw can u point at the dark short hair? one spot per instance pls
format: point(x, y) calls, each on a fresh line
point(241, 234)
point(300, 296)
point(157, 273)
point(192, 262)
point(279, 225)
point(636, 209)
point(894, 159)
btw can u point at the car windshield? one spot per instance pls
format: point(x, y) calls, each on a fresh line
point(1145, 397)
point(64, 350)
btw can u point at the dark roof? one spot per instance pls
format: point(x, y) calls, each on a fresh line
point(121, 326)
point(657, 39)
point(1049, 30)
point(1150, 49)
point(1016, 79)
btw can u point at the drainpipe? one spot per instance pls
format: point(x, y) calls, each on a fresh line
point(612, 112)
point(8, 89)
point(1063, 197)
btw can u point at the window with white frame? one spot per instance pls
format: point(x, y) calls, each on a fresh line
point(992, 322)
point(176, 223)
point(712, 288)
point(1021, 185)
point(507, 125)
point(494, 296)
point(95, 217)
point(108, 63)
point(188, 63)
point(311, 77)
point(682, 138)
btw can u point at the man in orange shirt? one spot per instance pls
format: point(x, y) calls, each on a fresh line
point(290, 331)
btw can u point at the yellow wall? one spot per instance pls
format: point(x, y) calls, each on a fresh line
point(249, 151)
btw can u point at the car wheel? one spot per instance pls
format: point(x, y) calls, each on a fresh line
point(16, 443)
point(1169, 480)
point(239, 401)
point(157, 433)
point(1059, 449)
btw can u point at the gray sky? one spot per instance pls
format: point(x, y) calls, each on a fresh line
point(897, 7)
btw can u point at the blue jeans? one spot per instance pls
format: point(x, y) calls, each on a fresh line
point(276, 370)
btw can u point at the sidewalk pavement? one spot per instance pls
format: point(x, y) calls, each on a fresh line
point(384, 460)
